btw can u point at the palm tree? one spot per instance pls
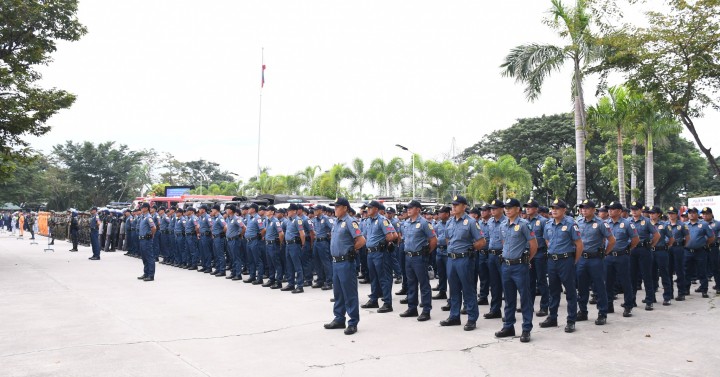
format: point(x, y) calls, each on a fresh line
point(359, 176)
point(532, 63)
point(307, 176)
point(506, 173)
point(654, 126)
point(329, 183)
point(442, 175)
point(614, 113)
point(386, 173)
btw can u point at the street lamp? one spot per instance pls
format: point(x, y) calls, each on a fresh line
point(412, 158)
point(203, 177)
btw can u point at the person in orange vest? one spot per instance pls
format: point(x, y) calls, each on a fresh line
point(21, 223)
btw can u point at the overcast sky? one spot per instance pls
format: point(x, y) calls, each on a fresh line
point(344, 79)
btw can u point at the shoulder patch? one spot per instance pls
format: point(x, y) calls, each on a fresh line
point(355, 225)
point(431, 227)
point(386, 223)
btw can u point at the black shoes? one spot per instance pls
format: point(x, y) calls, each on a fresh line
point(219, 274)
point(483, 301)
point(398, 280)
point(141, 277)
point(611, 309)
point(236, 278)
point(94, 258)
point(649, 306)
point(317, 285)
point(506, 332)
point(334, 325)
point(627, 312)
point(350, 330)
point(492, 315)
point(601, 320)
point(548, 323)
point(401, 292)
point(450, 322)
point(268, 284)
point(404, 300)
point(423, 317)
point(525, 337)
point(370, 305)
point(149, 279)
point(581, 316)
point(440, 296)
point(542, 312)
point(705, 295)
point(307, 284)
point(386, 308)
point(364, 281)
point(666, 303)
point(327, 287)
point(298, 290)
point(288, 288)
point(445, 308)
point(409, 313)
point(570, 327)
point(277, 285)
point(232, 277)
point(470, 326)
point(257, 282)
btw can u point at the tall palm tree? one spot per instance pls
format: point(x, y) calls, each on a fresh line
point(307, 177)
point(654, 126)
point(386, 174)
point(359, 176)
point(505, 173)
point(532, 63)
point(614, 112)
point(329, 183)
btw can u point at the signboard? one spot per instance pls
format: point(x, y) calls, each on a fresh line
point(177, 191)
point(705, 201)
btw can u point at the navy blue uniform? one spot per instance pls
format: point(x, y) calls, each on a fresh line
point(191, 241)
point(462, 233)
point(493, 262)
point(94, 235)
point(206, 255)
point(560, 238)
point(661, 258)
point(515, 276)
point(590, 268)
point(441, 255)
point(181, 257)
point(379, 259)
point(418, 233)
point(617, 263)
point(294, 251)
point(696, 252)
point(641, 257)
point(253, 234)
point(345, 286)
point(272, 249)
point(145, 234)
point(321, 249)
point(218, 235)
point(539, 264)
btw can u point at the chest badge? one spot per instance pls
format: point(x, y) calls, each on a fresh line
point(595, 226)
point(564, 228)
point(622, 225)
point(517, 227)
point(465, 222)
point(417, 226)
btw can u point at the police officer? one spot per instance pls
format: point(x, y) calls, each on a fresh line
point(218, 230)
point(203, 229)
point(156, 240)
point(590, 269)
point(74, 228)
point(661, 253)
point(274, 236)
point(640, 257)
point(494, 254)
point(519, 247)
point(321, 247)
point(420, 238)
point(697, 244)
point(617, 263)
point(677, 250)
point(306, 257)
point(163, 240)
point(714, 252)
point(345, 242)
point(379, 233)
point(146, 232)
point(538, 264)
point(483, 272)
point(441, 253)
point(565, 247)
point(94, 223)
point(464, 238)
point(181, 256)
point(191, 239)
point(295, 238)
point(235, 231)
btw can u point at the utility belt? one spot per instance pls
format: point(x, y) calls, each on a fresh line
point(180, 234)
point(148, 237)
point(131, 229)
point(600, 253)
point(617, 253)
point(643, 244)
point(322, 239)
point(206, 234)
point(233, 238)
point(221, 235)
point(442, 247)
point(344, 258)
point(496, 252)
point(380, 247)
point(715, 244)
point(271, 242)
point(659, 248)
point(466, 254)
point(557, 257)
point(293, 241)
point(484, 251)
point(164, 232)
point(511, 262)
point(697, 250)
point(256, 238)
point(189, 233)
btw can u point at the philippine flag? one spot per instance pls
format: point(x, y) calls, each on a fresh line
point(262, 84)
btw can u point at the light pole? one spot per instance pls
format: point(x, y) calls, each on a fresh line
point(203, 177)
point(412, 158)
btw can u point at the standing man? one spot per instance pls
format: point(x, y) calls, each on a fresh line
point(321, 248)
point(494, 255)
point(565, 247)
point(192, 239)
point(235, 231)
point(697, 245)
point(661, 253)
point(156, 240)
point(640, 257)
point(483, 272)
point(590, 268)
point(274, 237)
point(419, 240)
point(345, 242)
point(677, 250)
point(379, 233)
point(182, 257)
point(163, 240)
point(441, 255)
point(94, 224)
point(146, 232)
point(519, 248)
point(617, 263)
point(219, 229)
point(538, 264)
point(464, 238)
point(74, 228)
point(295, 238)
point(714, 252)
point(254, 233)
point(203, 228)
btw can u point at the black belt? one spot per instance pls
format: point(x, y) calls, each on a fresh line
point(233, 238)
point(221, 235)
point(596, 254)
point(467, 254)
point(557, 257)
point(322, 239)
point(696, 250)
point(165, 232)
point(442, 247)
point(643, 244)
point(413, 253)
point(495, 252)
point(149, 237)
point(377, 248)
point(206, 234)
point(512, 262)
point(131, 229)
point(343, 258)
point(190, 233)
point(484, 252)
point(660, 248)
point(271, 242)
point(179, 233)
point(617, 253)
point(293, 241)
point(715, 244)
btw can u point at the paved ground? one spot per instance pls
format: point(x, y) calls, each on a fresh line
point(63, 315)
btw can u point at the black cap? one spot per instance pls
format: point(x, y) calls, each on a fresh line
point(459, 199)
point(656, 209)
point(203, 207)
point(496, 203)
point(283, 211)
point(154, 207)
point(190, 209)
point(614, 205)
point(145, 205)
point(485, 208)
point(543, 209)
point(558, 203)
point(512, 202)
point(414, 204)
point(231, 207)
point(626, 209)
point(445, 209)
point(475, 210)
point(292, 207)
point(173, 208)
point(391, 210)
point(532, 204)
point(245, 207)
point(602, 209)
point(318, 208)
point(341, 202)
point(672, 210)
point(375, 204)
point(587, 204)
point(382, 207)
point(161, 208)
point(271, 208)
point(262, 208)
point(351, 210)
point(693, 209)
point(706, 210)
point(95, 208)
point(253, 206)
point(216, 207)
point(126, 210)
point(636, 205)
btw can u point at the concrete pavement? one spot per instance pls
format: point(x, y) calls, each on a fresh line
point(64, 315)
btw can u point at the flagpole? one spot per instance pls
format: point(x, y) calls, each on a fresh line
point(262, 59)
